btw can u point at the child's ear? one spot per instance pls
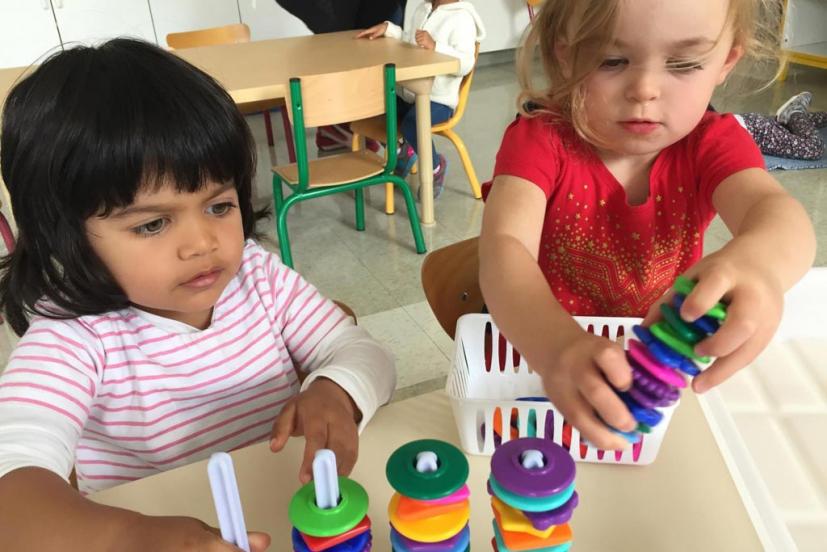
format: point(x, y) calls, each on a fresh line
point(734, 55)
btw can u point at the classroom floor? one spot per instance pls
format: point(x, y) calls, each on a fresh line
point(376, 272)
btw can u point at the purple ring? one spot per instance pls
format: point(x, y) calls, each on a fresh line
point(555, 476)
point(642, 398)
point(652, 385)
point(543, 520)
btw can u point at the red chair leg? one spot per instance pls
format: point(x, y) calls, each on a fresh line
point(268, 125)
point(288, 135)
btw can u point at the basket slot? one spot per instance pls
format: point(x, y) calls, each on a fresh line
point(489, 347)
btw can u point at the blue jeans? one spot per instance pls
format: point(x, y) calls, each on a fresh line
point(406, 115)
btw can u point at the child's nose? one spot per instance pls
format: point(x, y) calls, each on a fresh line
point(200, 239)
point(644, 86)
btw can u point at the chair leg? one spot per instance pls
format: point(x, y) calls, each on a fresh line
point(389, 203)
point(466, 161)
point(284, 238)
point(360, 208)
point(288, 135)
point(278, 196)
point(268, 126)
point(413, 216)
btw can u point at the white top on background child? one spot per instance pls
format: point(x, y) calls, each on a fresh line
point(455, 28)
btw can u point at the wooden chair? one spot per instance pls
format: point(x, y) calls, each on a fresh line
point(450, 279)
point(372, 128)
point(235, 34)
point(332, 98)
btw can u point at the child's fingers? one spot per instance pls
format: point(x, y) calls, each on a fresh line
point(612, 362)
point(725, 366)
point(344, 441)
point(259, 542)
point(707, 291)
point(605, 401)
point(740, 325)
point(283, 426)
point(580, 414)
point(315, 437)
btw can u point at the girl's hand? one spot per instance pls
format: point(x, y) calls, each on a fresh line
point(755, 303)
point(326, 415)
point(180, 534)
point(579, 382)
point(376, 31)
point(424, 40)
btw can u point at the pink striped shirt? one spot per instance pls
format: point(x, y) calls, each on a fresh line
point(127, 394)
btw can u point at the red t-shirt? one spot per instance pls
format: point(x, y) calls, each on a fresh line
point(600, 255)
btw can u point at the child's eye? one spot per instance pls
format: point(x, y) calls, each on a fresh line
point(684, 66)
point(614, 63)
point(221, 209)
point(151, 228)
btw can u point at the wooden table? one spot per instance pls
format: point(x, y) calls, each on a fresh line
point(260, 70)
point(685, 500)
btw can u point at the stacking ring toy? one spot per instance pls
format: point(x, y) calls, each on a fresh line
point(450, 475)
point(317, 522)
point(553, 477)
point(537, 504)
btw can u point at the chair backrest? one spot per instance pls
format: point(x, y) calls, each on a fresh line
point(345, 96)
point(464, 91)
point(228, 34)
point(450, 279)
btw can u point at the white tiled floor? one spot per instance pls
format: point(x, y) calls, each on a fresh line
point(779, 409)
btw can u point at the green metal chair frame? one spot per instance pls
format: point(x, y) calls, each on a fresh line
point(302, 191)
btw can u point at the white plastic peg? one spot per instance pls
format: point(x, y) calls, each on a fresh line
point(427, 461)
point(325, 479)
point(532, 459)
point(226, 499)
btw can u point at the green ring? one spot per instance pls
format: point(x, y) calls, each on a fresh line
point(686, 332)
point(643, 428)
point(685, 286)
point(666, 335)
point(449, 477)
point(316, 522)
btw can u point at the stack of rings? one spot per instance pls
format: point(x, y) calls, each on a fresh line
point(430, 509)
point(532, 496)
point(663, 356)
point(343, 528)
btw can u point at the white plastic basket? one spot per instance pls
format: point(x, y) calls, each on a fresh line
point(477, 391)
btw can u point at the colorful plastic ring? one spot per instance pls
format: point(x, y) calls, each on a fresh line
point(682, 328)
point(530, 504)
point(639, 355)
point(457, 543)
point(542, 521)
point(648, 416)
point(705, 324)
point(667, 336)
point(664, 354)
point(450, 475)
point(652, 385)
point(685, 286)
point(556, 474)
point(317, 522)
point(631, 436)
point(502, 548)
point(359, 543)
point(643, 428)
point(642, 398)
point(432, 529)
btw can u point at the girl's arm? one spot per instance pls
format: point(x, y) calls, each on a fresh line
point(572, 362)
point(773, 246)
point(39, 511)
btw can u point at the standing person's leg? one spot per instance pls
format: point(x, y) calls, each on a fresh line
point(799, 141)
point(439, 114)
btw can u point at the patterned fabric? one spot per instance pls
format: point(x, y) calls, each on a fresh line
point(600, 255)
point(798, 139)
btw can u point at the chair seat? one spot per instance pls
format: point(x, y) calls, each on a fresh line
point(335, 170)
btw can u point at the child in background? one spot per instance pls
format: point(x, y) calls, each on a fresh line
point(606, 183)
point(451, 27)
point(792, 133)
point(155, 331)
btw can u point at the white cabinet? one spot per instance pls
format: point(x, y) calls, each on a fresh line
point(176, 16)
point(27, 31)
point(805, 32)
point(93, 21)
point(267, 19)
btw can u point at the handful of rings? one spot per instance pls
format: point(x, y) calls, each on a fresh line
point(661, 359)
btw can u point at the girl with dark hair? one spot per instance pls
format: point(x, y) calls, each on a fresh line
point(155, 331)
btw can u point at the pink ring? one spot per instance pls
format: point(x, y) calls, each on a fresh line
point(638, 353)
point(459, 495)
